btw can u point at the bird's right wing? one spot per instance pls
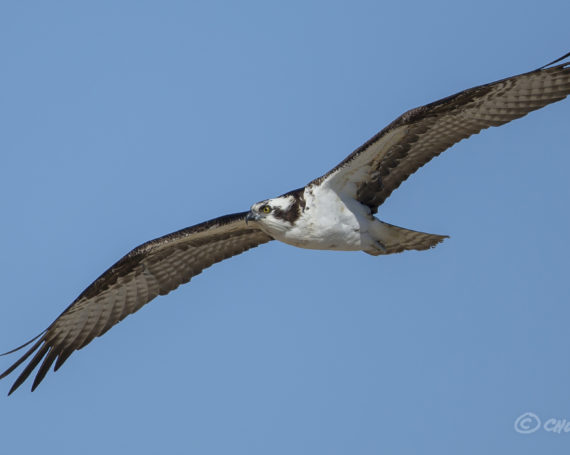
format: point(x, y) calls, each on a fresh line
point(153, 268)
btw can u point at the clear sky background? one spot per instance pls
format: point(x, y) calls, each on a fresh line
point(123, 121)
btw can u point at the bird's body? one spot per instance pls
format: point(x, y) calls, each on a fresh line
point(324, 222)
point(320, 217)
point(333, 212)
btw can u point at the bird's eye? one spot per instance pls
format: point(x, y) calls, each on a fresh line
point(266, 209)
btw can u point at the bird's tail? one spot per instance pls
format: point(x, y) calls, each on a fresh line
point(393, 239)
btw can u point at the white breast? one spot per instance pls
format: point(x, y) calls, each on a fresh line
point(329, 222)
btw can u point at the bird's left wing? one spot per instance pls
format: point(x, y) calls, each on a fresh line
point(153, 268)
point(379, 166)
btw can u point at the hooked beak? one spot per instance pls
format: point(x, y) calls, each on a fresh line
point(251, 217)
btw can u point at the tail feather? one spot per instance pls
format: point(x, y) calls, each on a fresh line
point(393, 239)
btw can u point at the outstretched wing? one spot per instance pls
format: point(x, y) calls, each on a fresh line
point(153, 268)
point(379, 166)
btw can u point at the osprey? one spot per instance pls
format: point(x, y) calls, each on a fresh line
point(333, 212)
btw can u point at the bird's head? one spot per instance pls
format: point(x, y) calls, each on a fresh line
point(278, 214)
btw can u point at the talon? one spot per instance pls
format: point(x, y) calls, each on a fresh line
point(380, 246)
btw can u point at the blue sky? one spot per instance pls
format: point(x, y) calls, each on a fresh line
point(123, 121)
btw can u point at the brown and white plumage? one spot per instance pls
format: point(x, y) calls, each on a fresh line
point(152, 269)
point(332, 212)
point(379, 166)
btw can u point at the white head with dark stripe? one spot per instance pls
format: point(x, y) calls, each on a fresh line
point(278, 214)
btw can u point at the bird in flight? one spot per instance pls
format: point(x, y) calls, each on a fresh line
point(333, 212)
